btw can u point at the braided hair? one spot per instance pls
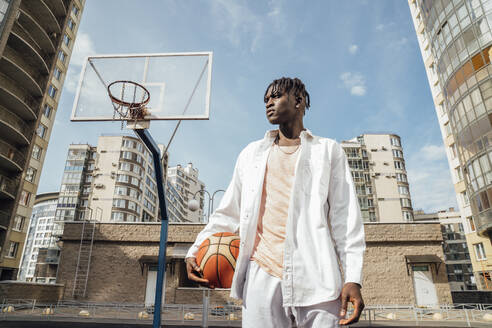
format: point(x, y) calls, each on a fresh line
point(286, 85)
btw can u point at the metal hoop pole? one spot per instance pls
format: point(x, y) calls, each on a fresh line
point(156, 156)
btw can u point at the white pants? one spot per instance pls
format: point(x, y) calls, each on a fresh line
point(262, 305)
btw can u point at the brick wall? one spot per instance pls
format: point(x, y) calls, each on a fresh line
point(117, 276)
point(42, 293)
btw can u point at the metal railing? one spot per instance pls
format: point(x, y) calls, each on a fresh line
point(470, 315)
point(16, 122)
point(7, 185)
point(13, 154)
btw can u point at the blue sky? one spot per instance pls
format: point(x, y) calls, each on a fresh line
point(360, 62)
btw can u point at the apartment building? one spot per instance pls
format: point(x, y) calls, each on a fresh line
point(378, 167)
point(455, 39)
point(183, 185)
point(36, 42)
point(456, 253)
point(40, 239)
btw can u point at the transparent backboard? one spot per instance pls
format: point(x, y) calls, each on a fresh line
point(178, 83)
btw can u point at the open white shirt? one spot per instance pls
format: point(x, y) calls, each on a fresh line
point(323, 220)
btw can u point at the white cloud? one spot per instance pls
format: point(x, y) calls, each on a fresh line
point(355, 82)
point(241, 26)
point(237, 22)
point(82, 48)
point(353, 48)
point(433, 152)
point(429, 177)
point(380, 27)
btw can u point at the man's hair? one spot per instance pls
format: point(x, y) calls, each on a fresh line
point(286, 85)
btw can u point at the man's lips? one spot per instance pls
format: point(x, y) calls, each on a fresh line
point(270, 112)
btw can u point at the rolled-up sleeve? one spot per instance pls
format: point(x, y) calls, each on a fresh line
point(345, 217)
point(226, 217)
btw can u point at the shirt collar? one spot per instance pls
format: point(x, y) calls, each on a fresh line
point(272, 134)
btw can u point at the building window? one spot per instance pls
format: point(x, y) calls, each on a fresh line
point(47, 110)
point(459, 173)
point(407, 216)
point(36, 152)
point(452, 149)
point(395, 141)
point(30, 174)
point(18, 222)
point(400, 177)
point(399, 165)
point(397, 153)
point(52, 91)
point(57, 73)
point(471, 223)
point(14, 246)
point(75, 11)
point(25, 198)
point(71, 24)
point(62, 56)
point(403, 190)
point(479, 251)
point(447, 129)
point(66, 40)
point(466, 200)
point(405, 202)
point(41, 130)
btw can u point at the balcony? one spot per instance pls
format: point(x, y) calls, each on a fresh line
point(13, 128)
point(4, 220)
point(12, 65)
point(17, 100)
point(22, 42)
point(7, 188)
point(10, 158)
point(37, 32)
point(57, 7)
point(483, 223)
point(44, 14)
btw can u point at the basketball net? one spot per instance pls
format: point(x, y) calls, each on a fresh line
point(126, 107)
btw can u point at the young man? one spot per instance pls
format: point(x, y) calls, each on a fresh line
point(293, 202)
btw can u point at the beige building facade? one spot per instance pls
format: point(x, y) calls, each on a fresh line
point(36, 42)
point(456, 253)
point(124, 259)
point(378, 168)
point(183, 186)
point(455, 39)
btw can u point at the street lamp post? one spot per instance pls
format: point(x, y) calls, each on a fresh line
point(193, 204)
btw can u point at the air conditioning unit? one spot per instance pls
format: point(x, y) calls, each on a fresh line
point(98, 185)
point(372, 163)
point(383, 148)
point(114, 164)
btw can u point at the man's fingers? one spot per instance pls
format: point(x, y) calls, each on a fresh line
point(198, 279)
point(358, 306)
point(343, 310)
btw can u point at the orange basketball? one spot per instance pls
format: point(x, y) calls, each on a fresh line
point(217, 258)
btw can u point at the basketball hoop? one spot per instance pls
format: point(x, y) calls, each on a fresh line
point(131, 102)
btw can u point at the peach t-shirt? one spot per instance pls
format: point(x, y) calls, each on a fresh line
point(270, 234)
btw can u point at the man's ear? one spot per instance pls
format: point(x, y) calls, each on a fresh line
point(298, 101)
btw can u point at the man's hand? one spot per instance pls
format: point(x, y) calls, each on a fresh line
point(351, 293)
point(195, 273)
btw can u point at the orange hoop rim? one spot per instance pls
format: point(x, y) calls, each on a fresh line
point(129, 104)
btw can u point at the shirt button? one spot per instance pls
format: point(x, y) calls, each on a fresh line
point(242, 243)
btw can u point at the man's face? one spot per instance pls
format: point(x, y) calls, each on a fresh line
point(281, 107)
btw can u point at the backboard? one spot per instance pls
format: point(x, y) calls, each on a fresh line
point(178, 83)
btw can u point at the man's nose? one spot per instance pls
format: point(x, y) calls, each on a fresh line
point(269, 103)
